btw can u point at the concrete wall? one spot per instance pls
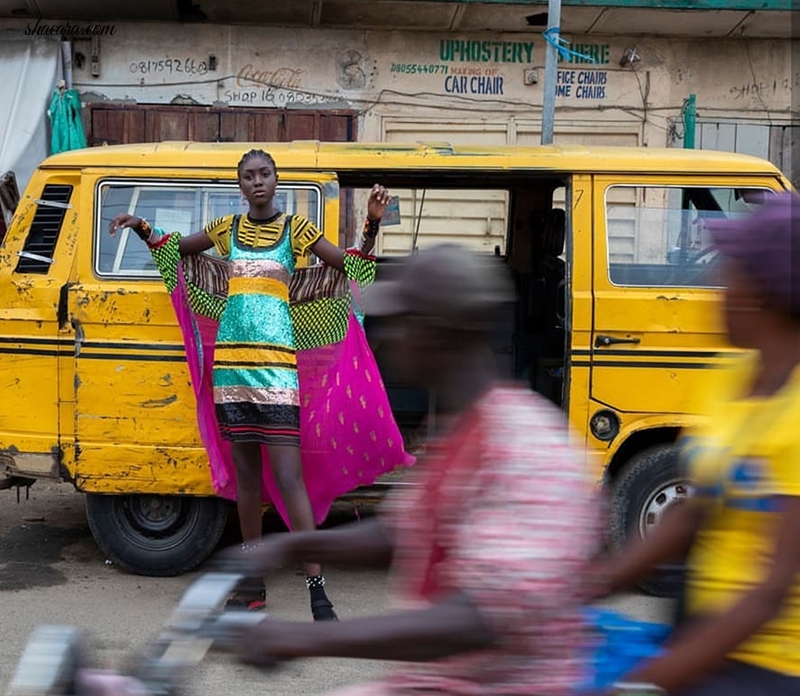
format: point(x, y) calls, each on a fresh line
point(440, 78)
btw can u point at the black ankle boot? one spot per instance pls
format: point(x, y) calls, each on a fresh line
point(321, 606)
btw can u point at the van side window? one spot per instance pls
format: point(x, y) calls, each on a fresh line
point(184, 208)
point(657, 236)
point(40, 246)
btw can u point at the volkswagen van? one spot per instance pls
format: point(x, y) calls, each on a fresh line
point(616, 320)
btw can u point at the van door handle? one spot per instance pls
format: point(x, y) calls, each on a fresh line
point(62, 312)
point(79, 335)
point(604, 341)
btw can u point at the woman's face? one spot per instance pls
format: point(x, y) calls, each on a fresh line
point(258, 180)
point(743, 304)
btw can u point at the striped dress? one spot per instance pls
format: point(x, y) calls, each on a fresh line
point(256, 391)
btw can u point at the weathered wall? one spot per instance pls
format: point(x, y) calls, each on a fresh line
point(440, 78)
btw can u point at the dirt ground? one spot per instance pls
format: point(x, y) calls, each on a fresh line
point(51, 572)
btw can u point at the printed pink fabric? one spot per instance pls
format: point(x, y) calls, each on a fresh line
point(503, 514)
point(347, 432)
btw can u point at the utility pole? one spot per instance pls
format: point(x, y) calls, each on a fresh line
point(550, 73)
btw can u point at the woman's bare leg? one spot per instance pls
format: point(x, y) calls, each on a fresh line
point(288, 472)
point(247, 458)
point(248, 462)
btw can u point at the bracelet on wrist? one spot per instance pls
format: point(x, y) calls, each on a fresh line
point(149, 235)
point(144, 230)
point(371, 227)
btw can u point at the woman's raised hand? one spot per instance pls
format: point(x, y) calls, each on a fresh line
point(378, 200)
point(124, 220)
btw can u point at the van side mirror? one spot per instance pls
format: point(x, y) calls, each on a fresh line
point(9, 198)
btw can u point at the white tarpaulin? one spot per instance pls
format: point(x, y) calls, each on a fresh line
point(29, 71)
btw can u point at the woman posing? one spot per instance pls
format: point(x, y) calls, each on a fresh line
point(256, 391)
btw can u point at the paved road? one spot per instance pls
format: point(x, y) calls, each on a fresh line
point(52, 572)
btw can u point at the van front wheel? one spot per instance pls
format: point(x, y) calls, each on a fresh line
point(648, 486)
point(156, 535)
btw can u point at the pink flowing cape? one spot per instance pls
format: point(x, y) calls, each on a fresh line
point(348, 434)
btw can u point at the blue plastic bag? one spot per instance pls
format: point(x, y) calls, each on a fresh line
point(620, 644)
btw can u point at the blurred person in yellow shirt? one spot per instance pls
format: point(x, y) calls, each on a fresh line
point(741, 636)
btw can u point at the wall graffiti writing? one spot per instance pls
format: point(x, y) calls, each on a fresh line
point(279, 97)
point(465, 51)
point(473, 70)
point(462, 69)
point(483, 84)
point(582, 84)
point(474, 80)
point(762, 89)
point(420, 68)
point(351, 70)
point(169, 65)
point(599, 54)
point(285, 77)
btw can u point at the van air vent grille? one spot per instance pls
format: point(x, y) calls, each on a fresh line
point(45, 228)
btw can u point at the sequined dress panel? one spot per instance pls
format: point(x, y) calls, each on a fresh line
point(256, 391)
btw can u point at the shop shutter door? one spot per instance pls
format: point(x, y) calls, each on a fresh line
point(476, 219)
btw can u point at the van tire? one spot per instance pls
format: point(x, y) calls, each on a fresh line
point(648, 484)
point(155, 535)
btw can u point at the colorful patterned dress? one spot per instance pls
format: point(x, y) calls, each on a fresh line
point(347, 433)
point(256, 390)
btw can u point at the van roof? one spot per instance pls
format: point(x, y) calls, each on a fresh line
point(308, 154)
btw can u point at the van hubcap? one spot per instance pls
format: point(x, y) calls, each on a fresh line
point(659, 501)
point(155, 515)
